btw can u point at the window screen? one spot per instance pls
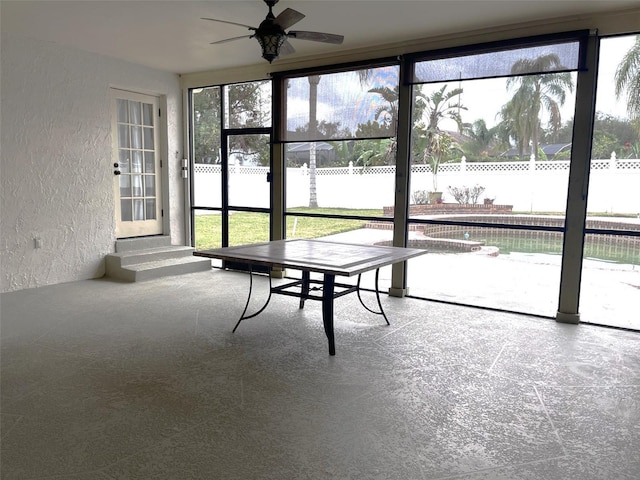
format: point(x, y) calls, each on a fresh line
point(525, 61)
point(352, 104)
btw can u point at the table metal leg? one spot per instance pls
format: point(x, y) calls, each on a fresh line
point(381, 312)
point(243, 317)
point(327, 310)
point(305, 287)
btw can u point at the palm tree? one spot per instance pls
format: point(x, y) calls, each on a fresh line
point(432, 143)
point(516, 122)
point(627, 78)
point(536, 93)
point(314, 80)
point(482, 138)
point(389, 110)
point(440, 105)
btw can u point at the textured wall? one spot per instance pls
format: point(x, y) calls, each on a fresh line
point(56, 165)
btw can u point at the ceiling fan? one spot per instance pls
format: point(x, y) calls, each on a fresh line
point(272, 36)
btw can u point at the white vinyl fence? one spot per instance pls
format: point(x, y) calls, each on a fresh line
point(527, 185)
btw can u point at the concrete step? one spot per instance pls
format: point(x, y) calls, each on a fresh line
point(142, 243)
point(122, 259)
point(163, 268)
point(144, 259)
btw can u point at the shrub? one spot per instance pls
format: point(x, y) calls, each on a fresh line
point(420, 197)
point(466, 195)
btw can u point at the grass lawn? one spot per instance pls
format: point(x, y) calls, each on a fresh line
point(250, 227)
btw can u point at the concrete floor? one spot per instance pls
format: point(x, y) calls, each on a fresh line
point(103, 380)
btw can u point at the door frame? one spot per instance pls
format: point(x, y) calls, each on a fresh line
point(161, 138)
point(224, 160)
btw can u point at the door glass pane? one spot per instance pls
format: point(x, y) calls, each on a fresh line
point(206, 150)
point(123, 110)
point(248, 166)
point(150, 208)
point(148, 138)
point(149, 185)
point(123, 163)
point(136, 162)
point(147, 114)
point(207, 229)
point(125, 186)
point(149, 162)
point(125, 210)
point(610, 287)
point(135, 113)
point(138, 209)
point(136, 185)
point(136, 137)
point(123, 136)
point(248, 227)
point(248, 105)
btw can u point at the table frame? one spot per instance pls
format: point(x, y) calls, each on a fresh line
point(329, 294)
point(260, 256)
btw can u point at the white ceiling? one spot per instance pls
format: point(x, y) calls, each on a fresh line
point(169, 35)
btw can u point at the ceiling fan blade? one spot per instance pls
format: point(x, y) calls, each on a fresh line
point(230, 39)
point(317, 37)
point(288, 17)
point(287, 48)
point(230, 23)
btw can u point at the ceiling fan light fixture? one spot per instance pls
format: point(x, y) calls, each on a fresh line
point(271, 34)
point(271, 43)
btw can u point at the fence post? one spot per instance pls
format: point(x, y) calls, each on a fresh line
point(350, 167)
point(303, 169)
point(612, 161)
point(463, 164)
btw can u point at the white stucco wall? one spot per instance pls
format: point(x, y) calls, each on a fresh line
point(56, 165)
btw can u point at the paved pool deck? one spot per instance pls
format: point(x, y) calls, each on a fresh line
point(521, 282)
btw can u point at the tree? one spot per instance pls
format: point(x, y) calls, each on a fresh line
point(381, 152)
point(371, 129)
point(438, 145)
point(374, 152)
point(627, 79)
point(536, 94)
point(482, 139)
point(245, 107)
point(314, 80)
point(429, 140)
point(603, 144)
point(387, 111)
point(440, 105)
point(206, 125)
point(516, 123)
point(248, 105)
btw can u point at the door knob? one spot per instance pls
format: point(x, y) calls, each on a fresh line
point(116, 165)
point(116, 172)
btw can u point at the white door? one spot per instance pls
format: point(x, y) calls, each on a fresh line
point(136, 164)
